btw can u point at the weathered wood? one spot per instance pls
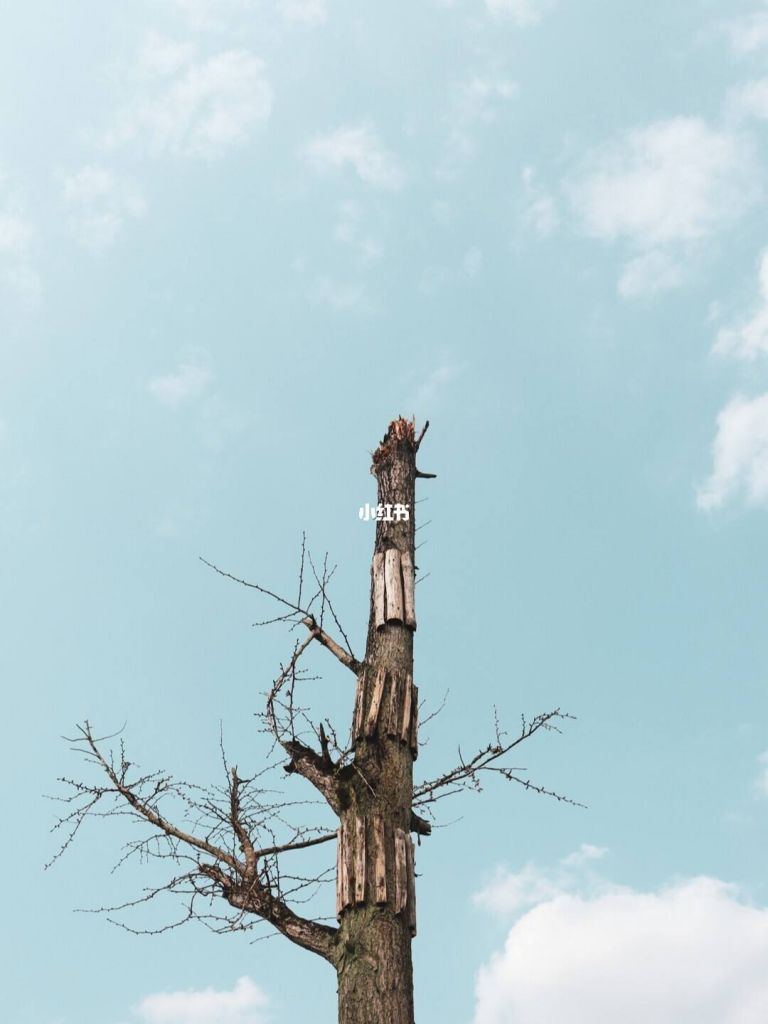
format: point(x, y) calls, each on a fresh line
point(393, 585)
point(378, 589)
point(357, 726)
point(401, 871)
point(393, 710)
point(413, 736)
point(379, 861)
point(377, 693)
point(338, 873)
point(348, 866)
point(409, 589)
point(410, 849)
point(360, 860)
point(405, 720)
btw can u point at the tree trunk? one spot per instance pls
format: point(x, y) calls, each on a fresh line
point(375, 883)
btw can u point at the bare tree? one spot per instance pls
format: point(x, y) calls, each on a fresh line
point(231, 849)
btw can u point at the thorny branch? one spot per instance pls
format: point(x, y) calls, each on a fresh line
point(227, 843)
point(469, 772)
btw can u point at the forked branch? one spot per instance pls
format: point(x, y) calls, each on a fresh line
point(469, 772)
point(222, 853)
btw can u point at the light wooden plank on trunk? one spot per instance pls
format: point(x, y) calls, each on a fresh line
point(348, 867)
point(345, 900)
point(393, 710)
point(409, 589)
point(411, 885)
point(377, 693)
point(393, 585)
point(360, 860)
point(401, 871)
point(338, 873)
point(357, 727)
point(379, 861)
point(405, 721)
point(414, 729)
point(378, 589)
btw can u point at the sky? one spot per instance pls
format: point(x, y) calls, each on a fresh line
point(237, 237)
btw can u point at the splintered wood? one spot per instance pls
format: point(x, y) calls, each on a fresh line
point(387, 704)
point(409, 589)
point(394, 588)
point(385, 877)
point(376, 697)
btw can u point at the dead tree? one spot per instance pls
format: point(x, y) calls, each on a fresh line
point(231, 847)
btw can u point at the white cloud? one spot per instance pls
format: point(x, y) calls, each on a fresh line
point(359, 148)
point(432, 387)
point(351, 230)
point(750, 99)
point(244, 1004)
point(649, 273)
point(194, 107)
point(662, 189)
point(184, 385)
point(342, 296)
point(761, 782)
point(521, 12)
point(739, 455)
point(510, 891)
point(472, 263)
point(539, 206)
point(673, 181)
point(100, 203)
point(475, 101)
point(306, 12)
point(750, 338)
point(162, 56)
point(212, 14)
point(749, 33)
point(690, 953)
point(17, 235)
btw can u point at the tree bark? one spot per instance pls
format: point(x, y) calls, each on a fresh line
point(377, 911)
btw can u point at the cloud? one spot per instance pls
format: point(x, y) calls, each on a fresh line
point(750, 99)
point(673, 181)
point(341, 296)
point(749, 339)
point(357, 147)
point(689, 953)
point(761, 782)
point(432, 387)
point(539, 207)
point(508, 892)
point(475, 101)
point(184, 385)
point(662, 189)
point(351, 230)
point(521, 12)
point(739, 455)
point(472, 261)
point(211, 14)
point(194, 107)
point(160, 56)
point(650, 273)
point(749, 33)
point(100, 203)
point(244, 1004)
point(17, 235)
point(305, 12)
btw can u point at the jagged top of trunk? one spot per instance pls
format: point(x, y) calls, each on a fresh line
point(400, 433)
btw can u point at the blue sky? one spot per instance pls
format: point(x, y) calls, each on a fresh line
point(236, 238)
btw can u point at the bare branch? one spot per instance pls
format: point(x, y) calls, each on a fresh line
point(468, 773)
point(319, 634)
